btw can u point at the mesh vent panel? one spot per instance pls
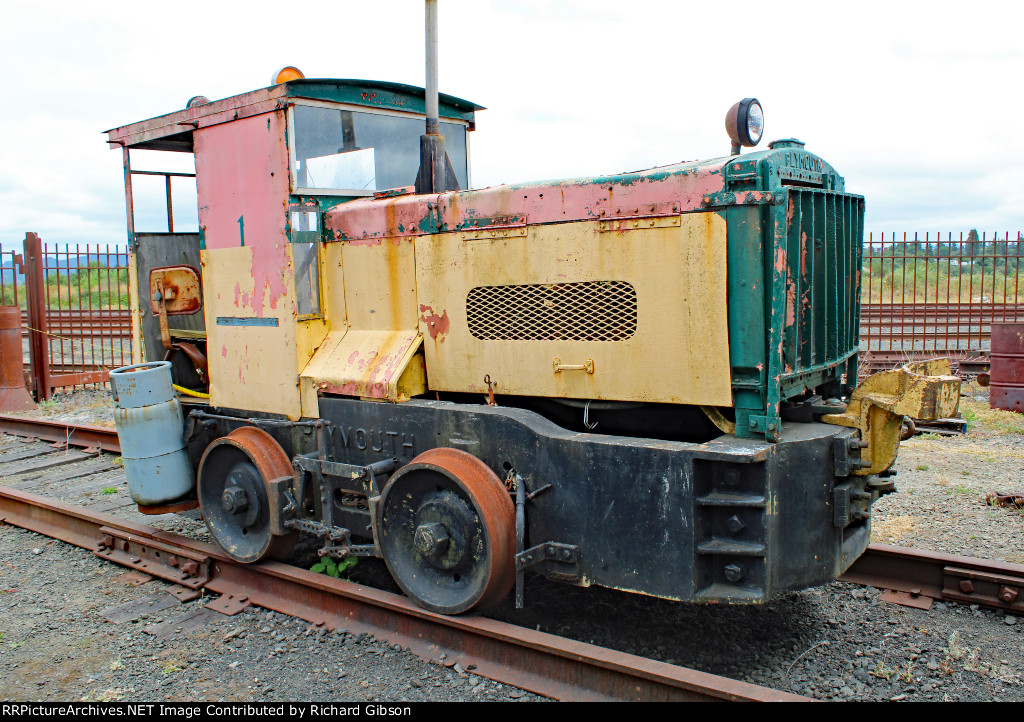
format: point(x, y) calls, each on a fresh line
point(588, 311)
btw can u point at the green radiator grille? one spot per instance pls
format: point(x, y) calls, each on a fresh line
point(823, 236)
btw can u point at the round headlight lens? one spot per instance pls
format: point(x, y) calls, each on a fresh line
point(745, 123)
point(755, 122)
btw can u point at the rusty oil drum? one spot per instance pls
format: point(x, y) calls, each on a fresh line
point(1007, 370)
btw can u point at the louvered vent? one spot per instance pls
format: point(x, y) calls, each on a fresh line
point(588, 311)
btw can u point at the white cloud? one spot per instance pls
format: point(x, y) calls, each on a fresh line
point(914, 104)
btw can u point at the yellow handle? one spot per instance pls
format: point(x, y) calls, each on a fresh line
point(560, 367)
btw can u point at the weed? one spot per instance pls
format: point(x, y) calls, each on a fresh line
point(970, 417)
point(170, 667)
point(328, 566)
point(110, 490)
point(960, 489)
point(15, 645)
point(894, 528)
point(974, 663)
point(922, 467)
point(882, 672)
point(116, 665)
point(955, 648)
point(965, 472)
point(118, 460)
point(907, 675)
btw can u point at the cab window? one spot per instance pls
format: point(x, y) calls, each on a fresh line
point(357, 152)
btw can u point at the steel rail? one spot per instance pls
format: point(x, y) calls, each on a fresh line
point(918, 574)
point(542, 663)
point(84, 435)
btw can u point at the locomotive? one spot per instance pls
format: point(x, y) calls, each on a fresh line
point(644, 381)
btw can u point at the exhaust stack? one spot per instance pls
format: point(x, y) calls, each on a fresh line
point(436, 174)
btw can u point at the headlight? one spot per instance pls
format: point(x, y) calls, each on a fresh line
point(745, 122)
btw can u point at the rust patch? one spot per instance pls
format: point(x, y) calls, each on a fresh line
point(436, 325)
point(179, 287)
point(780, 260)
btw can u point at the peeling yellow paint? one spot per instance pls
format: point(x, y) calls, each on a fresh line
point(260, 369)
point(679, 352)
point(924, 390)
point(138, 348)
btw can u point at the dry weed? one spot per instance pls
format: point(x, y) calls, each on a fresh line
point(893, 529)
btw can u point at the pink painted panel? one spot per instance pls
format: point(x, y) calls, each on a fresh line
point(218, 111)
point(680, 186)
point(242, 183)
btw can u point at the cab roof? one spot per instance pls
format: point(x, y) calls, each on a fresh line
point(173, 131)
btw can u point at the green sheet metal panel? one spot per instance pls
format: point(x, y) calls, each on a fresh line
point(794, 283)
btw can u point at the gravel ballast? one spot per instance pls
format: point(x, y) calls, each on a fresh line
point(838, 642)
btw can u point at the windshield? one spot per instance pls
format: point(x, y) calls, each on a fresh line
point(354, 151)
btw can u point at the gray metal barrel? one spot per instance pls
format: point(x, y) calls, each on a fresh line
point(150, 426)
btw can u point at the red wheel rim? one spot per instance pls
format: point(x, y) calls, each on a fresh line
point(480, 487)
point(270, 461)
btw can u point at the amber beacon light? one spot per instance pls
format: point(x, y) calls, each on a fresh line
point(289, 72)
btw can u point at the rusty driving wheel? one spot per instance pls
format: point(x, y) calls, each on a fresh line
point(447, 532)
point(233, 477)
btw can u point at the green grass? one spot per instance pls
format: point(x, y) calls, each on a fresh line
point(110, 490)
point(983, 418)
point(95, 286)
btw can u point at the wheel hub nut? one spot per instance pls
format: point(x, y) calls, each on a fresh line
point(234, 500)
point(431, 539)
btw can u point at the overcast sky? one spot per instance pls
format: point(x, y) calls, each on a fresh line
point(918, 105)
